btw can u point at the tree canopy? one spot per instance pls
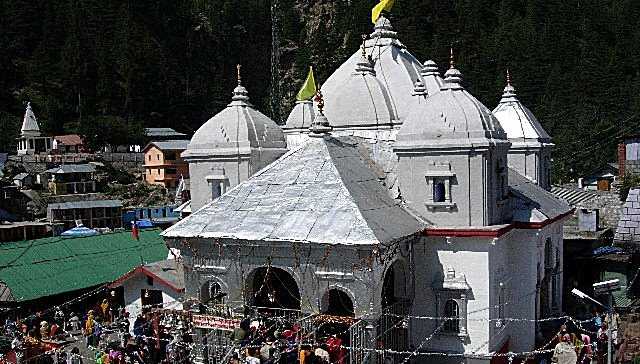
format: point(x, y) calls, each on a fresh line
point(107, 68)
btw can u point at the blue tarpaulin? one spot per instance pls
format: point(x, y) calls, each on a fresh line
point(144, 223)
point(607, 250)
point(79, 231)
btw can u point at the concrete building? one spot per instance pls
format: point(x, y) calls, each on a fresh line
point(70, 143)
point(69, 179)
point(31, 140)
point(163, 164)
point(230, 147)
point(406, 215)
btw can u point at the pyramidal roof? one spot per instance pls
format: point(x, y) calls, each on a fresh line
point(30, 123)
point(321, 192)
point(517, 120)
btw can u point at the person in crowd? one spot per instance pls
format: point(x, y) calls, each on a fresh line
point(105, 312)
point(74, 357)
point(89, 326)
point(602, 344)
point(586, 351)
point(252, 357)
point(322, 354)
point(564, 352)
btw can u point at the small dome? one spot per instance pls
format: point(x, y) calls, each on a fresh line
point(362, 100)
point(451, 116)
point(301, 116)
point(29, 123)
point(517, 120)
point(236, 130)
point(394, 66)
point(431, 76)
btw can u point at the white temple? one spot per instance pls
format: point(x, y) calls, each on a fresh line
point(403, 201)
point(31, 140)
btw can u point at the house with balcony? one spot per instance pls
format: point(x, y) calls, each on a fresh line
point(69, 179)
point(163, 164)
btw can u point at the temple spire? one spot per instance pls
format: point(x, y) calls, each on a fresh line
point(320, 125)
point(452, 63)
point(240, 94)
point(509, 93)
point(453, 77)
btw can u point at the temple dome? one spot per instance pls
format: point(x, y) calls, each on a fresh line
point(236, 130)
point(517, 120)
point(362, 100)
point(395, 68)
point(301, 116)
point(451, 117)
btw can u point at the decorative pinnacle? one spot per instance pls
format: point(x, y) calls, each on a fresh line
point(508, 78)
point(320, 100)
point(238, 67)
point(452, 63)
point(364, 39)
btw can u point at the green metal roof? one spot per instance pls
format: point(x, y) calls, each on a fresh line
point(49, 266)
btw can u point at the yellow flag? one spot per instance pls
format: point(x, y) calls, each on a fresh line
point(385, 5)
point(308, 90)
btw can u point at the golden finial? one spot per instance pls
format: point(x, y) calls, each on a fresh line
point(452, 63)
point(238, 67)
point(508, 78)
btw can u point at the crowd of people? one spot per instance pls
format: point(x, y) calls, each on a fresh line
point(585, 346)
point(103, 335)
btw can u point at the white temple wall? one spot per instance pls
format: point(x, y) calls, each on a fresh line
point(315, 270)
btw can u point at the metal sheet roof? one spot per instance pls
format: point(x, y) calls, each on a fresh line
point(72, 168)
point(84, 204)
point(169, 145)
point(162, 132)
point(321, 192)
point(535, 198)
point(49, 266)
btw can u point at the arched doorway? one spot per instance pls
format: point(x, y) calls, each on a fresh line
point(272, 287)
point(395, 292)
point(337, 302)
point(396, 304)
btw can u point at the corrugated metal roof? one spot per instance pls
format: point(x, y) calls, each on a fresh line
point(169, 145)
point(573, 196)
point(320, 192)
point(162, 132)
point(537, 197)
point(84, 204)
point(49, 266)
point(72, 168)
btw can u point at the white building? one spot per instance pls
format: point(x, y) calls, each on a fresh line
point(155, 285)
point(530, 152)
point(31, 140)
point(230, 147)
point(409, 208)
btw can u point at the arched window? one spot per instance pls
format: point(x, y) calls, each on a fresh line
point(439, 192)
point(452, 315)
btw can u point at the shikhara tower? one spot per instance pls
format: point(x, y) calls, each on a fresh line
point(401, 202)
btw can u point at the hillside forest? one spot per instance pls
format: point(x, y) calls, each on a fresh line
point(106, 69)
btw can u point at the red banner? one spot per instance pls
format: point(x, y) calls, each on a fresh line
point(214, 322)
